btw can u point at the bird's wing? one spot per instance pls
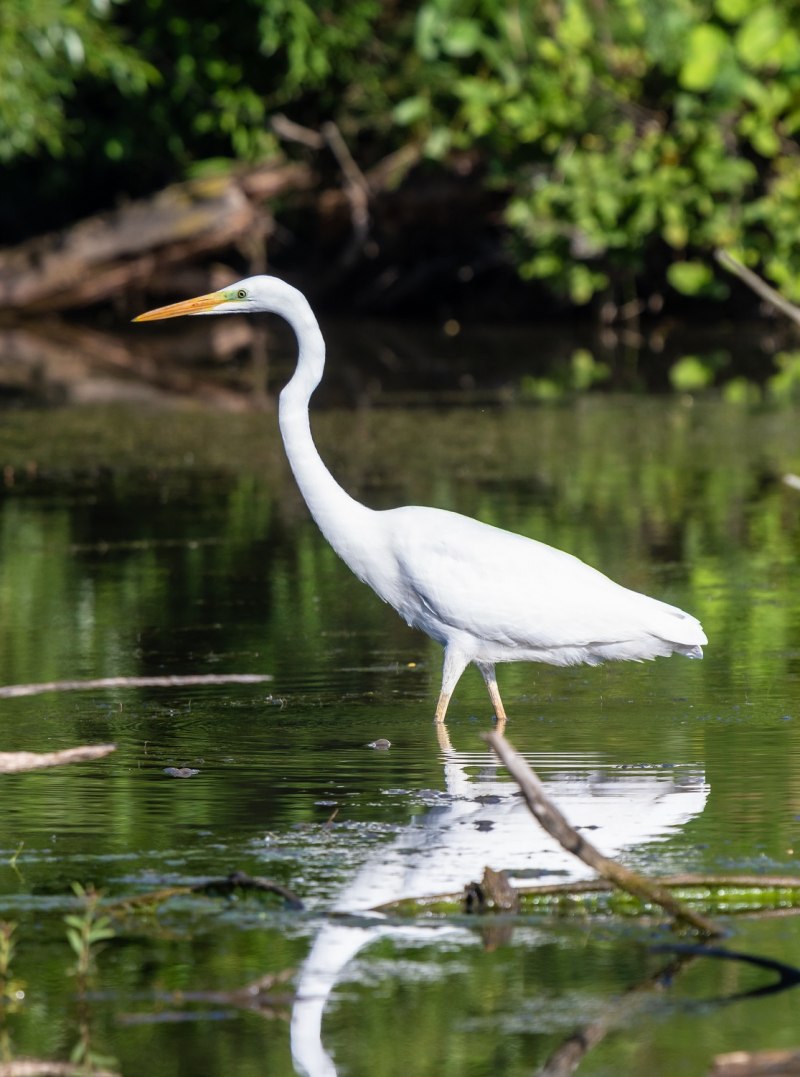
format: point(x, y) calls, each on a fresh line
point(518, 592)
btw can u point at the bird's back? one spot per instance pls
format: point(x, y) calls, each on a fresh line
point(511, 597)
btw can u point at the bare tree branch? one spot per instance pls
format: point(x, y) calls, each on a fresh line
point(551, 818)
point(759, 286)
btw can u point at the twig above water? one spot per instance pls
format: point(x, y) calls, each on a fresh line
point(550, 817)
point(759, 286)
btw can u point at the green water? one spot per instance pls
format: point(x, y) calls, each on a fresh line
point(139, 541)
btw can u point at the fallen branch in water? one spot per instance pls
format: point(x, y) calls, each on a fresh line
point(759, 286)
point(225, 887)
point(550, 817)
point(41, 1067)
point(16, 762)
point(13, 691)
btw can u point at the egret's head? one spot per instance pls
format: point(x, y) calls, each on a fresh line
point(240, 298)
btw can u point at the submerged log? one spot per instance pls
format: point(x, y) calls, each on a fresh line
point(721, 895)
point(104, 254)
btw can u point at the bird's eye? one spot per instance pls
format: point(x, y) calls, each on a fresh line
point(241, 294)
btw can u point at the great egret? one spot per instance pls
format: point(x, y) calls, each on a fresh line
point(485, 594)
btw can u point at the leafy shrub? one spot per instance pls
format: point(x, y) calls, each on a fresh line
point(630, 138)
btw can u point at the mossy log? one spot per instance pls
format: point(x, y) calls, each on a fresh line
point(712, 895)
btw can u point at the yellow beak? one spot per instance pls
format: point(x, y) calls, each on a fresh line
point(202, 304)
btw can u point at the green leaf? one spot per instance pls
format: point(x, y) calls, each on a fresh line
point(765, 141)
point(734, 10)
point(689, 278)
point(706, 48)
point(758, 37)
point(463, 38)
point(410, 111)
point(75, 941)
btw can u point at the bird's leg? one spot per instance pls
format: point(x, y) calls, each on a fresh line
point(454, 665)
point(487, 672)
point(441, 707)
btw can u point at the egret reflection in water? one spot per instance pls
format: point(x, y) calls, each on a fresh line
point(481, 820)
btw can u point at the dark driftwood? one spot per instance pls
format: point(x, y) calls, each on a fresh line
point(550, 817)
point(13, 691)
point(102, 255)
point(16, 762)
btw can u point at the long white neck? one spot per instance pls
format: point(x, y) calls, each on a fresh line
point(340, 517)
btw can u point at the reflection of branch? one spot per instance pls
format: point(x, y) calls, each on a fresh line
point(759, 286)
point(550, 817)
point(13, 691)
point(15, 762)
point(788, 975)
point(569, 1054)
point(256, 996)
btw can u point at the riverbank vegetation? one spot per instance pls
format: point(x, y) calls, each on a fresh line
point(601, 151)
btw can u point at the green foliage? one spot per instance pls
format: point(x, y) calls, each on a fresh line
point(47, 47)
point(631, 139)
point(628, 136)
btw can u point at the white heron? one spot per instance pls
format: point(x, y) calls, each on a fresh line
point(487, 595)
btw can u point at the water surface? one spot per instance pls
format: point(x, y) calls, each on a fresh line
point(143, 540)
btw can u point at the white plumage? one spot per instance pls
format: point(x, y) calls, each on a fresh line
point(485, 594)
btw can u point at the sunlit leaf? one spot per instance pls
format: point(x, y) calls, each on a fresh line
point(759, 35)
point(706, 48)
point(689, 278)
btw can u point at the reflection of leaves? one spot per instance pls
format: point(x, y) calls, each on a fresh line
point(690, 374)
point(784, 385)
